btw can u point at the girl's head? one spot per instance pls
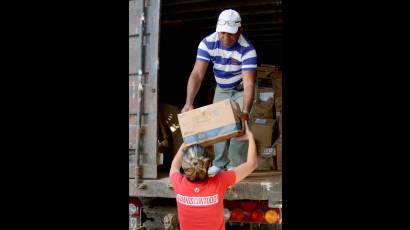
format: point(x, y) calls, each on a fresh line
point(195, 162)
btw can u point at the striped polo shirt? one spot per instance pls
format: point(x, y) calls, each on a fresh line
point(228, 62)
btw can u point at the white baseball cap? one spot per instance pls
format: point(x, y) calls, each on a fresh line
point(229, 21)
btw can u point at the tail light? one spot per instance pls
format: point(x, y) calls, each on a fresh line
point(251, 212)
point(237, 215)
point(258, 215)
point(133, 210)
point(271, 216)
point(134, 206)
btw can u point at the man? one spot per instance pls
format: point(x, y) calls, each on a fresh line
point(235, 63)
point(199, 197)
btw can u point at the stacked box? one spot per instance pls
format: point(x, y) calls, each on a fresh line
point(278, 153)
point(262, 131)
point(277, 86)
point(263, 122)
point(265, 70)
point(263, 106)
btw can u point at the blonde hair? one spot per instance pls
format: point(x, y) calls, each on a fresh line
point(195, 162)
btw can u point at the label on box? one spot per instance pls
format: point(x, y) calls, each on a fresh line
point(265, 96)
point(213, 133)
point(267, 152)
point(260, 121)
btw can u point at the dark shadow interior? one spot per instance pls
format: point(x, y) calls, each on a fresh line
point(184, 23)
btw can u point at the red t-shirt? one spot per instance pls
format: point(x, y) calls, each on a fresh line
point(200, 204)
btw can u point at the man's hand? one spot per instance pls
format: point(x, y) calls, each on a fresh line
point(187, 107)
point(246, 134)
point(244, 119)
point(244, 116)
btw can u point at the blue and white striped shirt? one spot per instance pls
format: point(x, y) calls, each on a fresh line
point(228, 62)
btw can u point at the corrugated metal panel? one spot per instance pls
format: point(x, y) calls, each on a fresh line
point(148, 159)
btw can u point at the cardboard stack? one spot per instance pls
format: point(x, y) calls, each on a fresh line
point(278, 153)
point(277, 86)
point(276, 77)
point(278, 143)
point(265, 71)
point(263, 120)
point(264, 103)
point(210, 124)
point(262, 130)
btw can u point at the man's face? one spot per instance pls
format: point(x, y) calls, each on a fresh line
point(228, 39)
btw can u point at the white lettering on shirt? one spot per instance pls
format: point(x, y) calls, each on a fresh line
point(197, 201)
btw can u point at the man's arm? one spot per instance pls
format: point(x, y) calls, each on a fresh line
point(248, 77)
point(194, 83)
point(177, 161)
point(251, 163)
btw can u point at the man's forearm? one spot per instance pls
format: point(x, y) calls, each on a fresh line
point(248, 95)
point(194, 83)
point(248, 89)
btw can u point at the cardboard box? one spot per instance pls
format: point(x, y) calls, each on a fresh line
point(279, 121)
point(269, 66)
point(210, 124)
point(265, 164)
point(277, 147)
point(262, 130)
point(277, 74)
point(264, 71)
point(263, 106)
point(277, 86)
point(265, 94)
point(264, 82)
point(266, 151)
point(266, 158)
point(278, 150)
point(263, 110)
point(278, 103)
